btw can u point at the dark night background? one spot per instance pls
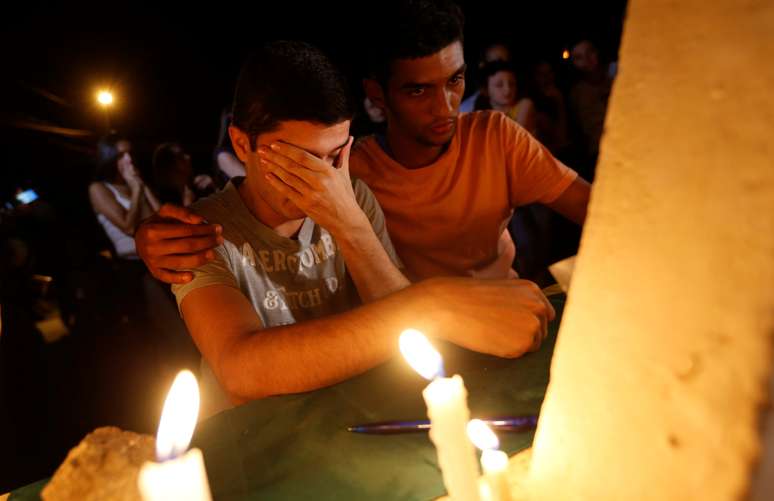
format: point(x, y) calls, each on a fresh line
point(172, 69)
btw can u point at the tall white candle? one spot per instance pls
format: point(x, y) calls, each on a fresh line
point(494, 462)
point(178, 475)
point(447, 408)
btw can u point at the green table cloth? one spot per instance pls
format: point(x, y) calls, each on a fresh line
point(297, 446)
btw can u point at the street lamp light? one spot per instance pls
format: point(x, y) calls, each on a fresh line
point(105, 100)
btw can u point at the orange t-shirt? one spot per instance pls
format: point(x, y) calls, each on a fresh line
point(446, 218)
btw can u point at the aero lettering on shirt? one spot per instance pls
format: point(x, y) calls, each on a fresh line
point(277, 260)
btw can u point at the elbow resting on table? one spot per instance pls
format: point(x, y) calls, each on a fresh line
point(240, 383)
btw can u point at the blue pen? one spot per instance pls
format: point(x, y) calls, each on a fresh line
point(512, 424)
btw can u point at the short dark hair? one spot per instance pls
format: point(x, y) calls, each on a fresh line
point(289, 80)
point(413, 29)
point(487, 71)
point(107, 156)
point(491, 68)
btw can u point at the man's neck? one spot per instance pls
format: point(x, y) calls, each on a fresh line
point(258, 207)
point(410, 153)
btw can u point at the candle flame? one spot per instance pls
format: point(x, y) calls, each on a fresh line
point(566, 54)
point(178, 419)
point(420, 354)
point(482, 436)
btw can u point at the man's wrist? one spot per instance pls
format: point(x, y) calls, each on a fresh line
point(432, 315)
point(352, 232)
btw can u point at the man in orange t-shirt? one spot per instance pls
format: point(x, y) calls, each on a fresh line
point(448, 182)
point(447, 217)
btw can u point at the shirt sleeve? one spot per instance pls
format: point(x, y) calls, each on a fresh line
point(215, 272)
point(534, 174)
point(373, 211)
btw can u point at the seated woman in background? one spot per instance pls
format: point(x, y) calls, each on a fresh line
point(499, 91)
point(139, 304)
point(119, 195)
point(173, 176)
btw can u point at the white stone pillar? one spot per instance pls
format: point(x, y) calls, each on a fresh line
point(665, 351)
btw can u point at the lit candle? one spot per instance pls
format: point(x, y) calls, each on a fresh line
point(178, 475)
point(494, 462)
point(447, 408)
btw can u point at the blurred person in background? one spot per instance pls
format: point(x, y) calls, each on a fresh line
point(550, 110)
point(496, 51)
point(588, 101)
point(119, 196)
point(500, 92)
point(121, 199)
point(174, 179)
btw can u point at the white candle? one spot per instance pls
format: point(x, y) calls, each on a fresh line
point(494, 462)
point(182, 478)
point(447, 408)
point(178, 475)
point(495, 465)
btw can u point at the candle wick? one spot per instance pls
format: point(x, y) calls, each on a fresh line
point(172, 454)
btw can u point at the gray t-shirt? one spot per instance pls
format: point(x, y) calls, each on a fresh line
point(286, 280)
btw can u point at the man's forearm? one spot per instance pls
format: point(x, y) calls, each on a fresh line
point(133, 214)
point(369, 265)
point(151, 198)
point(505, 318)
point(317, 353)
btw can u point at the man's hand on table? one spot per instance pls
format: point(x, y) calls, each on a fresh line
point(505, 318)
point(175, 239)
